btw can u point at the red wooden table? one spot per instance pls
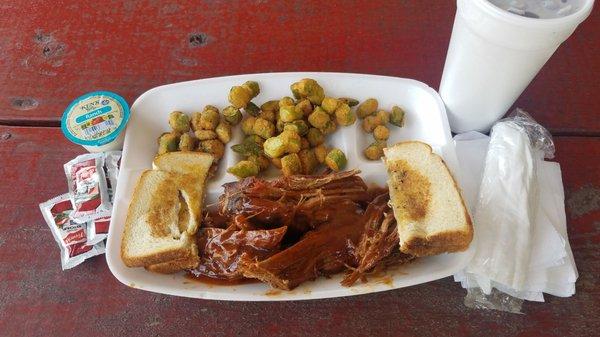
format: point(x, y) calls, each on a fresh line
point(54, 51)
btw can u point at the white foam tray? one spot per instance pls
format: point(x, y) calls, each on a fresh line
point(425, 120)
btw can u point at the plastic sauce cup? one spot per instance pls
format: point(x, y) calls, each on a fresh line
point(493, 56)
point(96, 121)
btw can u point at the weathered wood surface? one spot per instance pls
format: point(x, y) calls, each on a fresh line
point(54, 51)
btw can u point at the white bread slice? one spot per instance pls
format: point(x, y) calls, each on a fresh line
point(427, 204)
point(174, 266)
point(152, 228)
point(192, 168)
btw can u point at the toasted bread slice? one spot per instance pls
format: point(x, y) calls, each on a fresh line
point(427, 204)
point(174, 266)
point(192, 168)
point(157, 226)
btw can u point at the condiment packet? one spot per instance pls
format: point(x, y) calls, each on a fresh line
point(70, 235)
point(112, 162)
point(87, 186)
point(97, 228)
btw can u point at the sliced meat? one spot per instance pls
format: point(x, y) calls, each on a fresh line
point(379, 241)
point(324, 251)
point(290, 201)
point(222, 250)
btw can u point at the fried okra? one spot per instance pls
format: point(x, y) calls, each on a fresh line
point(336, 160)
point(329, 128)
point(270, 106)
point(179, 122)
point(261, 161)
point(240, 96)
point(344, 116)
point(315, 137)
point(291, 164)
point(252, 109)
point(366, 108)
point(232, 115)
point(287, 142)
point(268, 115)
point(397, 116)
point(298, 126)
point(209, 119)
point(195, 121)
point(319, 118)
point(383, 116)
point(370, 123)
point(187, 142)
point(289, 113)
point(308, 160)
point(374, 151)
point(263, 128)
point(330, 104)
point(205, 134)
point(253, 87)
point(381, 133)
point(168, 142)
point(286, 101)
point(223, 131)
point(274, 147)
point(248, 125)
point(350, 101)
point(305, 107)
point(320, 153)
point(244, 169)
point(214, 147)
point(308, 88)
point(292, 141)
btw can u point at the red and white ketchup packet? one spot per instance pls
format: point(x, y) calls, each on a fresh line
point(87, 186)
point(70, 235)
point(97, 228)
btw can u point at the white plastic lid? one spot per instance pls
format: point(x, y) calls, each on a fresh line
point(514, 31)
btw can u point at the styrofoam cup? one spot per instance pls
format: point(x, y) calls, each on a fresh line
point(493, 56)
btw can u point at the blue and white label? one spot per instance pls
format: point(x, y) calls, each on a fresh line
point(95, 119)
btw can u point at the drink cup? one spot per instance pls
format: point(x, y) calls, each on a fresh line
point(494, 54)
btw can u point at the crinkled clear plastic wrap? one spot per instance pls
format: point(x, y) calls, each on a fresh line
point(539, 136)
point(505, 212)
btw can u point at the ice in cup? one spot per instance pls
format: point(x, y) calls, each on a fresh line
point(496, 49)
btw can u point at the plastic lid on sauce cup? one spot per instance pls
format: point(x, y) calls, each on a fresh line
point(96, 121)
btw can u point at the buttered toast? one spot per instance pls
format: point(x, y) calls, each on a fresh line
point(155, 229)
point(165, 212)
point(426, 201)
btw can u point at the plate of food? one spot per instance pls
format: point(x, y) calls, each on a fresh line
point(287, 186)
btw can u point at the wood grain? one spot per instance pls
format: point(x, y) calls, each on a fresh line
point(52, 53)
point(38, 299)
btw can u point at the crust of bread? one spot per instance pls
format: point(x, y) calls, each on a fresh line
point(174, 266)
point(156, 258)
point(443, 242)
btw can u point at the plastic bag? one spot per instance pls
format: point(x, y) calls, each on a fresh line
point(505, 213)
point(539, 136)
